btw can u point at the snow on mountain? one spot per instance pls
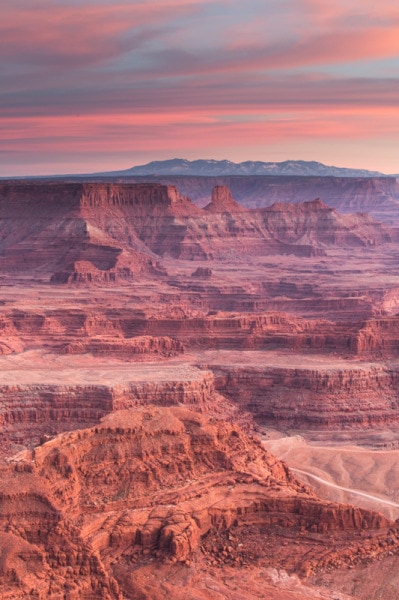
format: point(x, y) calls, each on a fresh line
point(181, 166)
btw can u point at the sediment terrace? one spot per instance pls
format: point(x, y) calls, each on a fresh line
point(378, 196)
point(131, 332)
point(48, 393)
point(109, 233)
point(44, 394)
point(293, 391)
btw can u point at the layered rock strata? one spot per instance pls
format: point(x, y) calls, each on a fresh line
point(148, 498)
point(130, 333)
point(105, 233)
point(378, 196)
point(293, 392)
point(43, 403)
point(93, 507)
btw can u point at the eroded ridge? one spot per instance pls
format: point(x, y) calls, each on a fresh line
point(94, 508)
point(138, 332)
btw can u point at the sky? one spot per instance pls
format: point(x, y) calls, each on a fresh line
point(90, 86)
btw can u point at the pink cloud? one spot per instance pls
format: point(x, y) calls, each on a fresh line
point(345, 46)
point(61, 35)
point(101, 78)
point(194, 129)
point(50, 33)
point(337, 47)
point(114, 140)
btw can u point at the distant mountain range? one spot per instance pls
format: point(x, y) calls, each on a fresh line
point(181, 166)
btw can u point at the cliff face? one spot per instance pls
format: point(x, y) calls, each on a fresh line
point(378, 196)
point(132, 334)
point(139, 346)
point(300, 393)
point(109, 486)
point(251, 331)
point(223, 202)
point(78, 232)
point(273, 382)
point(315, 223)
point(379, 337)
point(30, 411)
point(105, 233)
point(67, 392)
point(166, 486)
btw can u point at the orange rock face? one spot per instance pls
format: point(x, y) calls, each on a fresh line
point(102, 233)
point(378, 196)
point(144, 344)
point(92, 509)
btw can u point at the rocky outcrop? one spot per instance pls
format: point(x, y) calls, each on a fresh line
point(127, 268)
point(246, 331)
point(166, 486)
point(222, 201)
point(29, 412)
point(105, 233)
point(109, 486)
point(378, 196)
point(379, 338)
point(133, 348)
point(46, 405)
point(55, 231)
point(204, 272)
point(315, 390)
point(299, 393)
point(316, 223)
point(10, 341)
point(128, 333)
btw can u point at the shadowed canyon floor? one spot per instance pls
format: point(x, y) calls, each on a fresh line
point(159, 360)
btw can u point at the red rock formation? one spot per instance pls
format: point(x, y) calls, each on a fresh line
point(379, 337)
point(60, 233)
point(44, 405)
point(106, 232)
point(314, 222)
point(202, 272)
point(142, 199)
point(378, 196)
point(150, 498)
point(126, 269)
point(140, 346)
point(223, 202)
point(93, 507)
point(300, 393)
point(307, 392)
point(84, 330)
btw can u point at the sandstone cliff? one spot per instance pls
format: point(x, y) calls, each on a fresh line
point(105, 233)
point(286, 318)
point(378, 196)
point(296, 392)
point(223, 202)
point(94, 507)
point(316, 223)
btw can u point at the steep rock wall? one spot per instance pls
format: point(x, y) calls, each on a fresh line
point(165, 486)
point(98, 223)
point(320, 398)
point(378, 196)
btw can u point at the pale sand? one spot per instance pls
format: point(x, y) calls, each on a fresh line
point(360, 476)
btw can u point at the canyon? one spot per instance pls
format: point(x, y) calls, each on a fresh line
point(377, 196)
point(163, 364)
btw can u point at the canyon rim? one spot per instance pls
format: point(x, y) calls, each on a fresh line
point(199, 300)
point(197, 399)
